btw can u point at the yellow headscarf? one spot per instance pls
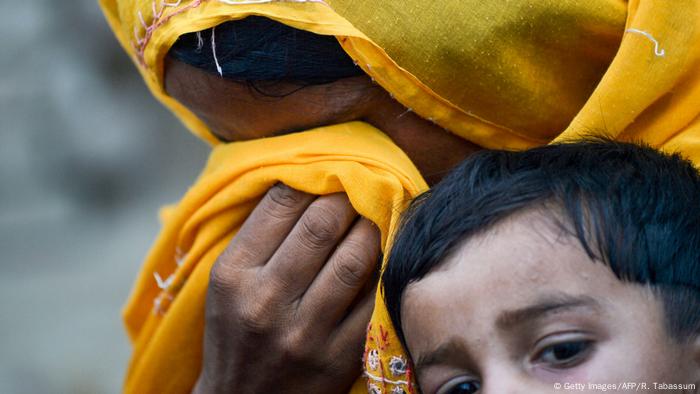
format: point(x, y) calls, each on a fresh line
point(505, 74)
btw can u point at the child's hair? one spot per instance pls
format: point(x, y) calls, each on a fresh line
point(632, 207)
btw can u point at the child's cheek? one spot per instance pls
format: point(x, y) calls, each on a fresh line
point(613, 367)
point(578, 374)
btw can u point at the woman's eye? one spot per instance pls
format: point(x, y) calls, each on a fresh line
point(564, 354)
point(460, 386)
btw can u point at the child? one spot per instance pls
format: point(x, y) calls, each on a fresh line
point(571, 267)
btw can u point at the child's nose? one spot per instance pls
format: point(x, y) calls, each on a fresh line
point(504, 378)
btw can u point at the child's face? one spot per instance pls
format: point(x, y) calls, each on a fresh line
point(522, 309)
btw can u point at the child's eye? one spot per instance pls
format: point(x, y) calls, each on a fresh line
point(564, 354)
point(460, 385)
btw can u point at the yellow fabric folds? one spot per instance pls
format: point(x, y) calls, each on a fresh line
point(165, 313)
point(503, 74)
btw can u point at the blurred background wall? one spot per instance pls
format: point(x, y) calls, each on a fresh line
point(86, 159)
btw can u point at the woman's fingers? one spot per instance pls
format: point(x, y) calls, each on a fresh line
point(344, 277)
point(304, 252)
point(349, 337)
point(257, 336)
point(266, 227)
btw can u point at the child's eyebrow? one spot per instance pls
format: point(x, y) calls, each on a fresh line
point(453, 348)
point(508, 320)
point(544, 306)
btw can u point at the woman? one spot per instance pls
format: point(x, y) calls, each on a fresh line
point(495, 75)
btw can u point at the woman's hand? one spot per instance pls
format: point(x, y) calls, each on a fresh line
point(290, 298)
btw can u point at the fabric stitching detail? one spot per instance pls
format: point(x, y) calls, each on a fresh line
point(163, 284)
point(213, 52)
point(158, 307)
point(373, 389)
point(373, 359)
point(159, 19)
point(235, 2)
point(386, 380)
point(397, 366)
point(200, 41)
point(658, 51)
